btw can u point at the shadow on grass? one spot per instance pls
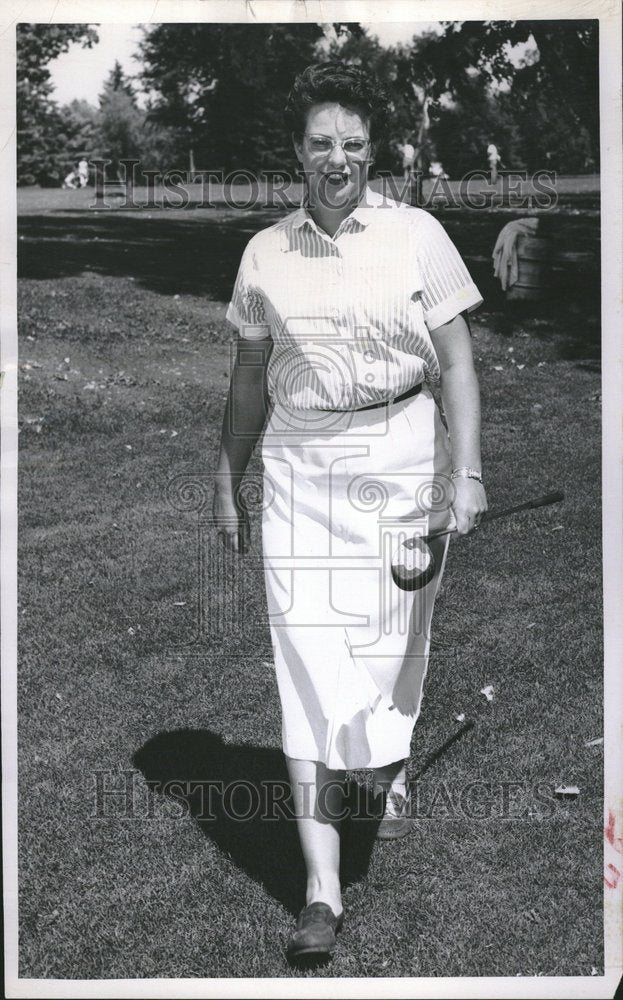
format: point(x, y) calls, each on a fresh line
point(574, 332)
point(183, 764)
point(174, 254)
point(164, 255)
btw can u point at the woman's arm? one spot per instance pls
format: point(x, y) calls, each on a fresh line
point(243, 421)
point(461, 400)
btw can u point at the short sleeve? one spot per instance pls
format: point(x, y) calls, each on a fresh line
point(247, 311)
point(448, 288)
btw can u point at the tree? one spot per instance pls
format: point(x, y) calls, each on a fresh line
point(80, 125)
point(553, 89)
point(39, 126)
point(462, 129)
point(222, 89)
point(118, 82)
point(120, 121)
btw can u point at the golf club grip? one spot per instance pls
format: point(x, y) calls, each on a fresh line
point(544, 501)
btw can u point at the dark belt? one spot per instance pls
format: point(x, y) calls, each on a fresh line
point(397, 399)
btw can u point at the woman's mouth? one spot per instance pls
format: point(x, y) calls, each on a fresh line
point(337, 178)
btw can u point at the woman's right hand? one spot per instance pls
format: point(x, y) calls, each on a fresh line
point(232, 521)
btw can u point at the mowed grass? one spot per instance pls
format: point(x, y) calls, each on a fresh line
point(133, 665)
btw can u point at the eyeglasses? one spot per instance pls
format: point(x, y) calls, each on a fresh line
point(322, 145)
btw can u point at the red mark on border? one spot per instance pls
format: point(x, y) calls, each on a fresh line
point(615, 875)
point(612, 874)
point(609, 833)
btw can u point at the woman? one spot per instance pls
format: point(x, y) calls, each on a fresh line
point(346, 309)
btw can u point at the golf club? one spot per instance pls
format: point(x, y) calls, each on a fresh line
point(413, 565)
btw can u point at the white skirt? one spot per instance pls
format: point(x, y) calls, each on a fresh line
point(340, 492)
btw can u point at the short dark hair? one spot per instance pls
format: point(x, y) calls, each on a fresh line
point(343, 84)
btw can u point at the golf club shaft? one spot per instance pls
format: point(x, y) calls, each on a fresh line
point(549, 498)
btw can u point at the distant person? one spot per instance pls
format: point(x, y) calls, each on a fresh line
point(408, 160)
point(83, 172)
point(72, 180)
point(495, 160)
point(436, 170)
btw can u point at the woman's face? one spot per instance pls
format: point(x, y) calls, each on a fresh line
point(336, 177)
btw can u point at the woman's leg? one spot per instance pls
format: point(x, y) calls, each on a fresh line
point(391, 780)
point(318, 795)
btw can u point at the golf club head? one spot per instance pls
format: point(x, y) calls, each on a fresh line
point(413, 564)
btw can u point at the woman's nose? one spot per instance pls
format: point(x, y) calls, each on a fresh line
point(337, 156)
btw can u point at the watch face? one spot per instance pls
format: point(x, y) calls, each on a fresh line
point(467, 474)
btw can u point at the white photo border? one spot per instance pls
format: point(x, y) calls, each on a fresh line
point(156, 11)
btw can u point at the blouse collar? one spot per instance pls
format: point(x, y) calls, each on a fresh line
point(361, 215)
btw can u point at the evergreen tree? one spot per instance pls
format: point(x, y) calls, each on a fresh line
point(120, 122)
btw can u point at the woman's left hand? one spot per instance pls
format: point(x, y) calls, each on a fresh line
point(470, 503)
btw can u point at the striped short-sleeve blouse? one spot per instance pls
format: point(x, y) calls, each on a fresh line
point(350, 316)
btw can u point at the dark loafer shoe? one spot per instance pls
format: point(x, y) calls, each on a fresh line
point(393, 826)
point(315, 932)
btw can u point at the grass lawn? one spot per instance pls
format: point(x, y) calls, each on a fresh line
point(126, 670)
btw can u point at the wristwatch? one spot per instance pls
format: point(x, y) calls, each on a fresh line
point(466, 473)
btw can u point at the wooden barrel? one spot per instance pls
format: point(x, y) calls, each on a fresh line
point(534, 262)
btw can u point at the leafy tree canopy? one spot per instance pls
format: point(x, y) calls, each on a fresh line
point(553, 86)
point(222, 87)
point(215, 95)
point(41, 137)
point(38, 44)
